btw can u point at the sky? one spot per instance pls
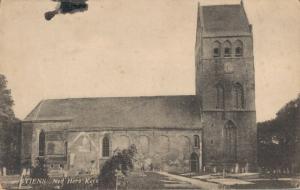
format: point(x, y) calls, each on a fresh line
point(136, 48)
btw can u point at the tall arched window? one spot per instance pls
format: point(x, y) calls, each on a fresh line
point(230, 138)
point(42, 143)
point(227, 48)
point(105, 147)
point(238, 46)
point(238, 96)
point(66, 148)
point(196, 141)
point(217, 49)
point(220, 96)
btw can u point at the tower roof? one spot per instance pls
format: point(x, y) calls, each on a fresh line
point(223, 20)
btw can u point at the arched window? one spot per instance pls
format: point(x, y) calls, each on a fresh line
point(238, 96)
point(196, 141)
point(105, 147)
point(42, 143)
point(216, 49)
point(230, 138)
point(238, 46)
point(220, 96)
point(227, 48)
point(66, 148)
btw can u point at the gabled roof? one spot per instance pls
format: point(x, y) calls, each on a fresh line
point(220, 20)
point(121, 112)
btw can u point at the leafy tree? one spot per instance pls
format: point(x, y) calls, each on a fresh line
point(10, 149)
point(9, 129)
point(122, 160)
point(6, 101)
point(277, 138)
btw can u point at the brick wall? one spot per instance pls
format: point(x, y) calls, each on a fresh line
point(168, 149)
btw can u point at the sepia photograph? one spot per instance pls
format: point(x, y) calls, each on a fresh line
point(149, 95)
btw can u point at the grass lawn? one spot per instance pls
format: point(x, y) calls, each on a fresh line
point(265, 184)
point(156, 181)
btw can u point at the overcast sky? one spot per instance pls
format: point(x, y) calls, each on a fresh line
point(136, 48)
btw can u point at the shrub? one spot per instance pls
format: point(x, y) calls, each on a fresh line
point(40, 170)
point(122, 160)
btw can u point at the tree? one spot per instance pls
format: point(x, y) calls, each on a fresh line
point(6, 101)
point(122, 160)
point(9, 129)
point(277, 139)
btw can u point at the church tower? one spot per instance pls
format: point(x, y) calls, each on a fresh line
point(225, 87)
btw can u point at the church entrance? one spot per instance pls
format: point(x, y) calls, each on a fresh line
point(194, 162)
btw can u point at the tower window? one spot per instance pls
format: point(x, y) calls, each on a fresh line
point(105, 147)
point(230, 138)
point(238, 52)
point(196, 141)
point(220, 97)
point(216, 49)
point(238, 96)
point(216, 52)
point(227, 52)
point(238, 45)
point(227, 49)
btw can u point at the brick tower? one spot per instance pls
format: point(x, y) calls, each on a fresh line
point(225, 87)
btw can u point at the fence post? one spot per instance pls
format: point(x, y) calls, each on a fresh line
point(215, 169)
point(236, 168)
point(21, 178)
point(247, 168)
point(27, 171)
point(4, 171)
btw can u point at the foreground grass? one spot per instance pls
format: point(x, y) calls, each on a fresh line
point(155, 181)
point(150, 181)
point(265, 184)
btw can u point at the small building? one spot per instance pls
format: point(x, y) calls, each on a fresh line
point(214, 129)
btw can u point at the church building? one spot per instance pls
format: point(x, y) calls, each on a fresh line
point(211, 130)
